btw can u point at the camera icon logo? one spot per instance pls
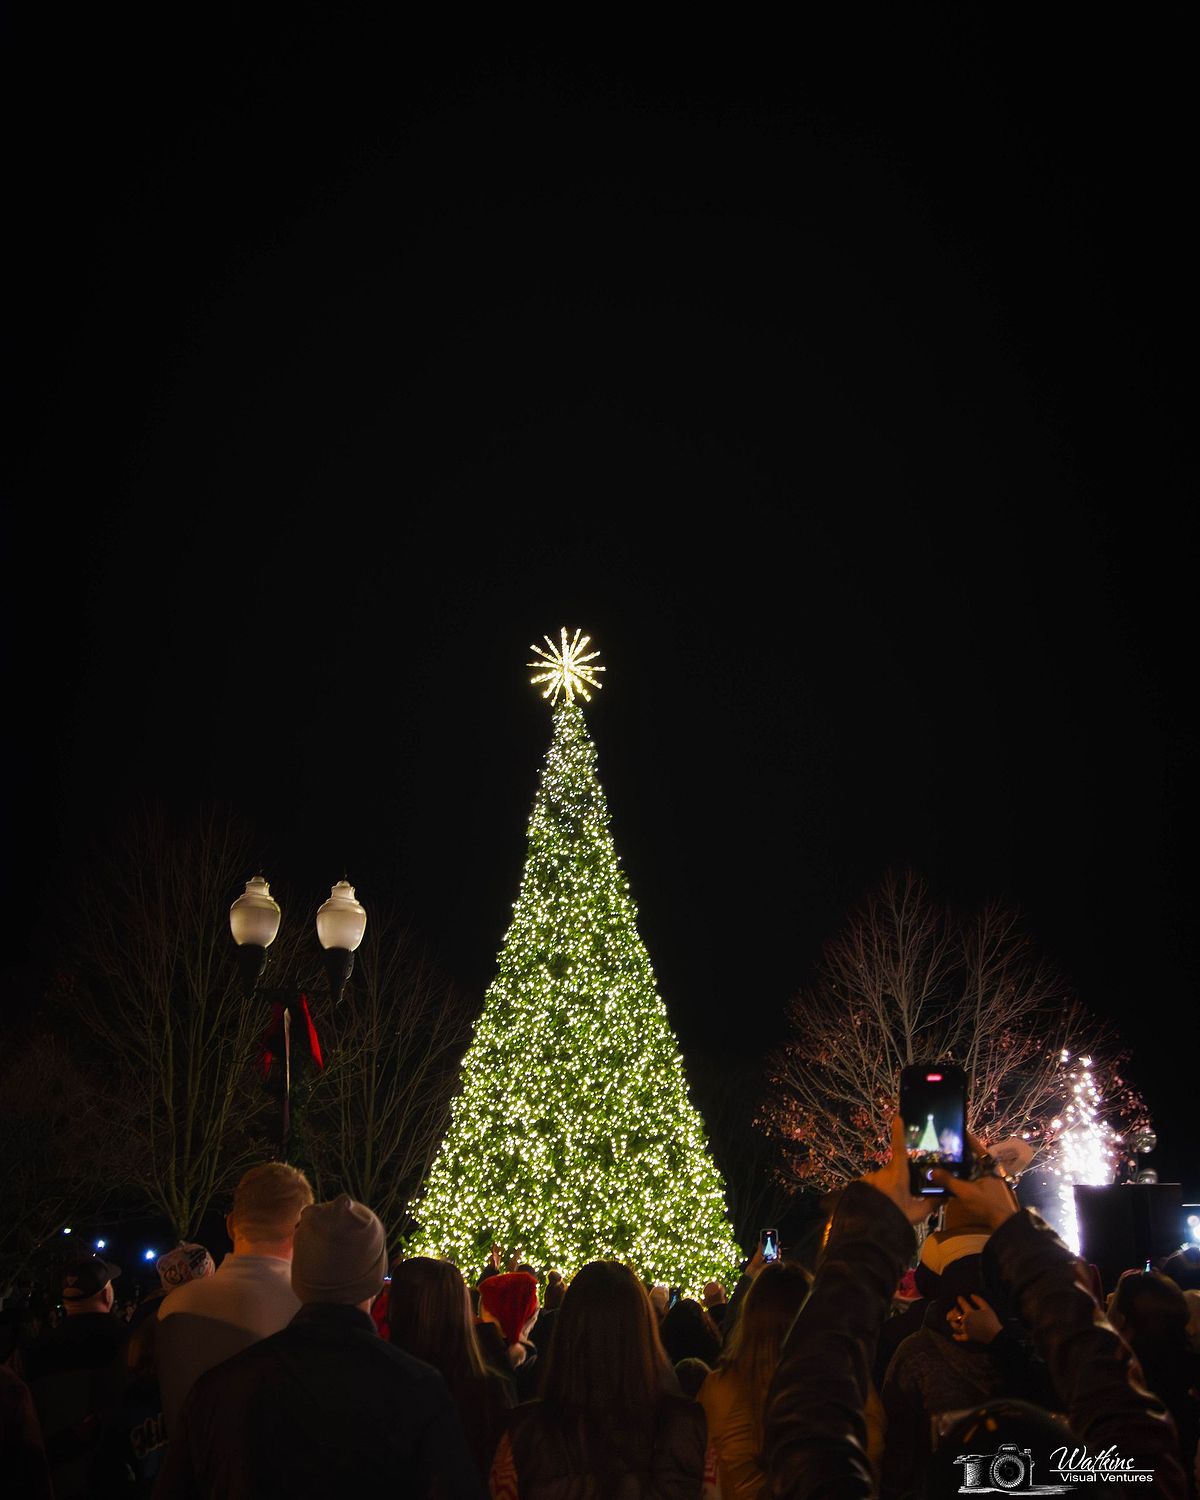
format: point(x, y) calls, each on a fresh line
point(1009, 1470)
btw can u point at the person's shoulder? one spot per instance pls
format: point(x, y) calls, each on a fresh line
point(414, 1371)
point(189, 1297)
point(718, 1388)
point(910, 1351)
point(678, 1410)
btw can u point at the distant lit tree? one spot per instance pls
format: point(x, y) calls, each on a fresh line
point(907, 980)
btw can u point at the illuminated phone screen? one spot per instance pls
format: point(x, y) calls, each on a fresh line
point(933, 1104)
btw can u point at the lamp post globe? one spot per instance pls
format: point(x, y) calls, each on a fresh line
point(254, 922)
point(341, 923)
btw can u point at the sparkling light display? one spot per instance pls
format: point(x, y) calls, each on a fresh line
point(565, 669)
point(1086, 1145)
point(572, 1136)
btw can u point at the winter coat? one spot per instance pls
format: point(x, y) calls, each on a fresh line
point(323, 1408)
point(815, 1432)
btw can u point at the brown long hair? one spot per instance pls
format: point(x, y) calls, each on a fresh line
point(606, 1368)
point(753, 1348)
point(429, 1318)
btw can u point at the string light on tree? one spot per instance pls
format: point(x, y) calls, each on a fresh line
point(573, 1136)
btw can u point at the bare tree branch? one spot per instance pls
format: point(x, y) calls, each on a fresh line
point(393, 1046)
point(905, 981)
point(159, 996)
point(60, 1150)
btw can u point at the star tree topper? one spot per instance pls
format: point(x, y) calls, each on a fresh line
point(565, 669)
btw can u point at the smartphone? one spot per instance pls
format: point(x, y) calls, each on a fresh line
point(933, 1106)
point(768, 1244)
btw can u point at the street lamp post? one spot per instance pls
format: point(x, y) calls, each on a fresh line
point(254, 920)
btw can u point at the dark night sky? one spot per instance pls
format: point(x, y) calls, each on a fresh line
point(835, 388)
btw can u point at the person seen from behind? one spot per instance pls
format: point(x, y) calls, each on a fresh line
point(76, 1375)
point(205, 1320)
point(325, 1407)
point(508, 1309)
point(1152, 1314)
point(734, 1396)
point(611, 1421)
point(429, 1317)
point(689, 1333)
point(815, 1430)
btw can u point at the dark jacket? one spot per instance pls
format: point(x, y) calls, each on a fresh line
point(323, 1408)
point(551, 1464)
point(76, 1377)
point(815, 1433)
point(22, 1456)
point(932, 1373)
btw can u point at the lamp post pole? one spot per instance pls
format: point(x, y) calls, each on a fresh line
point(254, 920)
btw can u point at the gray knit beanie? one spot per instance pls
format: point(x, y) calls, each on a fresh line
point(340, 1253)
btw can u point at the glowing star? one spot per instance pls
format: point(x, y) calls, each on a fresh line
point(566, 670)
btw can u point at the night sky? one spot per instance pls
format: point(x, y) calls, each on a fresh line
point(835, 386)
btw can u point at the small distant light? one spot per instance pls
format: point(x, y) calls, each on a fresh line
point(66, 1231)
point(101, 1244)
point(150, 1255)
point(1194, 1220)
point(933, 1078)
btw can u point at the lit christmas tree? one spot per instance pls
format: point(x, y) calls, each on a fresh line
point(573, 1137)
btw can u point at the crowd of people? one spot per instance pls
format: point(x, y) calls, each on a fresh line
point(298, 1366)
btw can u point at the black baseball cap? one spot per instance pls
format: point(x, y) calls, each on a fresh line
point(84, 1278)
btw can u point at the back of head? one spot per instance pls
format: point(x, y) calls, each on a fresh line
point(1183, 1267)
point(428, 1317)
point(691, 1374)
point(1152, 1308)
point(556, 1290)
point(268, 1202)
point(509, 1300)
point(768, 1312)
point(606, 1360)
point(997, 1446)
point(688, 1332)
point(86, 1285)
point(340, 1253)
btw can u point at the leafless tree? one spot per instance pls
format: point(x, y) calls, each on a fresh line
point(157, 993)
point(393, 1047)
point(727, 1095)
point(60, 1150)
point(906, 980)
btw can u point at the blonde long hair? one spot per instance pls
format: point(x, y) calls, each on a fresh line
point(767, 1314)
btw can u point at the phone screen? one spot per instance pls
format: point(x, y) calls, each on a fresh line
point(933, 1105)
point(769, 1244)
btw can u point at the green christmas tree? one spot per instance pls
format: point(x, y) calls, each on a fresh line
point(572, 1137)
